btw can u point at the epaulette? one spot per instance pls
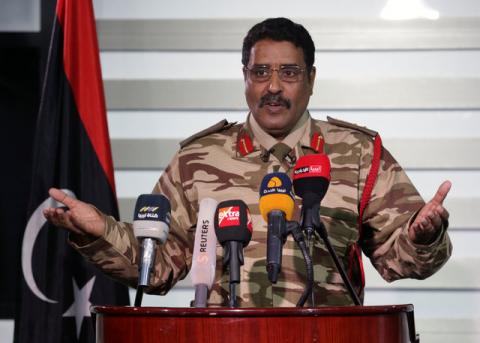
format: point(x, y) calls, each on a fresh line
point(220, 126)
point(348, 125)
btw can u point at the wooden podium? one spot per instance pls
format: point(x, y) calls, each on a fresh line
point(353, 324)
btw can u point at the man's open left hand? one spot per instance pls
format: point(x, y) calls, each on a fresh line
point(429, 220)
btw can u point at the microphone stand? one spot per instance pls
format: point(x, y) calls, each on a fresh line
point(279, 229)
point(294, 228)
point(138, 296)
point(277, 226)
point(315, 222)
point(309, 227)
point(234, 258)
point(148, 248)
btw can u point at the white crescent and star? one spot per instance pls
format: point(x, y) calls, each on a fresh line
point(34, 225)
point(81, 303)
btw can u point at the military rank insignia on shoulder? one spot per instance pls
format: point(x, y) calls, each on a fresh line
point(222, 125)
point(352, 126)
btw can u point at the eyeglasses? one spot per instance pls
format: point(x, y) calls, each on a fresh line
point(286, 73)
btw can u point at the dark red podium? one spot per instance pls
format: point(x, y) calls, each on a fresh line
point(325, 324)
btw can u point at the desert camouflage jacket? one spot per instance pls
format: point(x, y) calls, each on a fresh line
point(228, 162)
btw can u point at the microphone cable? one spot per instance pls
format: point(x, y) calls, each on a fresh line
point(294, 229)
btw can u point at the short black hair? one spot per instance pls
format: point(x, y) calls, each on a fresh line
point(280, 29)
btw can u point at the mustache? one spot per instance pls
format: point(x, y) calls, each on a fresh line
point(275, 98)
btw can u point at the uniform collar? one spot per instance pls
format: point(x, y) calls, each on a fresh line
point(267, 141)
point(252, 137)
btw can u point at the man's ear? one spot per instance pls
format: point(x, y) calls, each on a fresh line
point(311, 78)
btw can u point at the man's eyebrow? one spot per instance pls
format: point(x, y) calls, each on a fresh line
point(289, 65)
point(283, 65)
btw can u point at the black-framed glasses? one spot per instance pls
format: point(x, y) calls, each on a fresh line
point(286, 73)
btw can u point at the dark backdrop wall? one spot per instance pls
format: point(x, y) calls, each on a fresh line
point(19, 88)
point(22, 61)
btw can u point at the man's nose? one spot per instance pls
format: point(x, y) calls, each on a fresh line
point(275, 85)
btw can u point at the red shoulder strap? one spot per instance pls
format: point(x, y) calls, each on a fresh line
point(370, 182)
point(367, 192)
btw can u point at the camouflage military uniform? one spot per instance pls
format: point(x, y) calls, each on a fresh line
point(230, 164)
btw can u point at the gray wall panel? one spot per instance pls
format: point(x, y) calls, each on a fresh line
point(143, 153)
point(328, 34)
point(357, 94)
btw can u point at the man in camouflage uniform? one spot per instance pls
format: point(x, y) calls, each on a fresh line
point(402, 236)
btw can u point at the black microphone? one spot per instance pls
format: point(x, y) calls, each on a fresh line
point(311, 177)
point(151, 224)
point(233, 227)
point(276, 206)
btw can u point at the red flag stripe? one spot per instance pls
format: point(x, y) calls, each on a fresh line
point(82, 68)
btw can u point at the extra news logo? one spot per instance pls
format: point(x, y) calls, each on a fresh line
point(228, 216)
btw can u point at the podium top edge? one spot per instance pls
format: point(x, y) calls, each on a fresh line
point(252, 312)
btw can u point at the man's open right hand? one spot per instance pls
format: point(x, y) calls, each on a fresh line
point(79, 217)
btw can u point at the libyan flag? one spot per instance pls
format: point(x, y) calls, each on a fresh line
point(71, 152)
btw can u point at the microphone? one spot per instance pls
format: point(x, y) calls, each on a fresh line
point(204, 256)
point(276, 207)
point(151, 223)
point(311, 177)
point(233, 227)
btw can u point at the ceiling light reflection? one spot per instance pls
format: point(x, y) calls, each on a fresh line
point(408, 9)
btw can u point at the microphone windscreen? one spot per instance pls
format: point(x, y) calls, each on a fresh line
point(311, 177)
point(151, 218)
point(233, 222)
point(276, 194)
point(204, 248)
